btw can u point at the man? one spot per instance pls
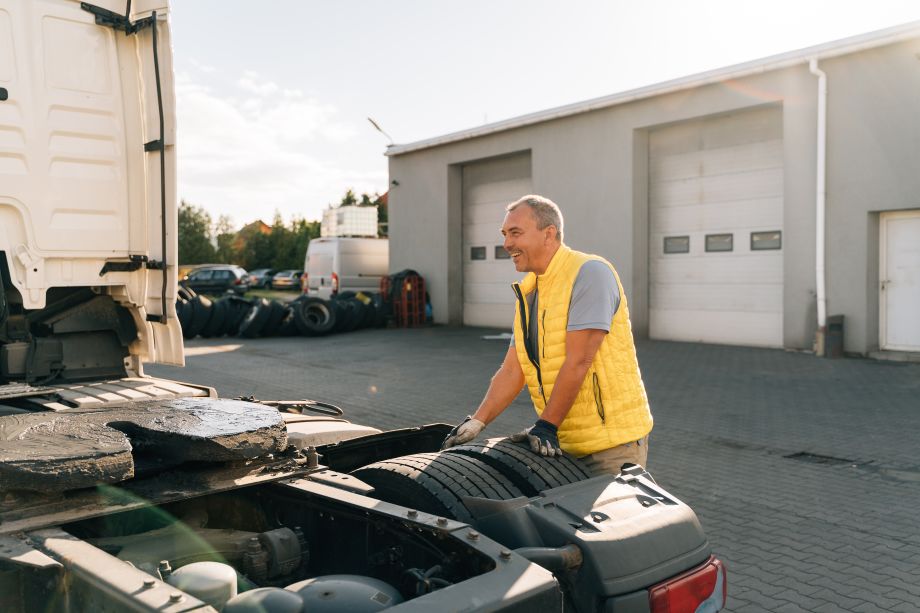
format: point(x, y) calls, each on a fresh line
point(573, 348)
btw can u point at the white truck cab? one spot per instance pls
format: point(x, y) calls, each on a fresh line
point(339, 264)
point(87, 188)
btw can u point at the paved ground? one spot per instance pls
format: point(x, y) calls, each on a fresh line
point(804, 472)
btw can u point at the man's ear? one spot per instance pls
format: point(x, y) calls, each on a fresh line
point(551, 233)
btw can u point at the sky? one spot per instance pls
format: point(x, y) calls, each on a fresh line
point(273, 96)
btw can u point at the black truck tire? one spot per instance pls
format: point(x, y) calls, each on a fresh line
point(218, 320)
point(288, 326)
point(370, 315)
point(184, 293)
point(184, 313)
point(349, 315)
point(201, 313)
point(255, 319)
point(275, 317)
point(530, 472)
point(435, 482)
point(314, 316)
point(237, 309)
point(382, 311)
point(189, 293)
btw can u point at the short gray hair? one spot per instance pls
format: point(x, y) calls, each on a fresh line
point(545, 211)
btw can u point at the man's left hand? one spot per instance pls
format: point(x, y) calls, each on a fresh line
point(542, 438)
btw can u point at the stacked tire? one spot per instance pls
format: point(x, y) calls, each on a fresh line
point(232, 316)
point(345, 313)
point(252, 318)
point(496, 469)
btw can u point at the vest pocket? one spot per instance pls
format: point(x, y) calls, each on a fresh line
point(598, 399)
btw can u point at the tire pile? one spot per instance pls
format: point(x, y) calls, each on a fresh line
point(256, 317)
point(496, 469)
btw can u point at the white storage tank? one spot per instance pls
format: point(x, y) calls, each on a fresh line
point(349, 221)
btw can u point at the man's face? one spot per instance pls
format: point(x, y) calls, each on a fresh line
point(531, 249)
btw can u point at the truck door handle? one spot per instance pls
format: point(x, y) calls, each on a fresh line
point(4, 94)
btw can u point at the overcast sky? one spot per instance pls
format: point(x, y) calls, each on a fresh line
point(273, 96)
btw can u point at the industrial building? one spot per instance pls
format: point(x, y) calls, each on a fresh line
point(747, 205)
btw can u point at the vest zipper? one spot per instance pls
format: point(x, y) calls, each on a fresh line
point(522, 308)
point(543, 330)
point(598, 399)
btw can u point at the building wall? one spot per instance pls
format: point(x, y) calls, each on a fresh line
point(873, 166)
point(594, 165)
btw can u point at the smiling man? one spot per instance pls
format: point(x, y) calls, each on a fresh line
point(572, 347)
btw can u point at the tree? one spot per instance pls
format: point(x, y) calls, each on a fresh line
point(348, 199)
point(278, 240)
point(258, 251)
point(297, 240)
point(195, 235)
point(227, 251)
point(287, 244)
point(279, 246)
point(383, 215)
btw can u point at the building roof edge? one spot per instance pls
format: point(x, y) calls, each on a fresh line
point(835, 48)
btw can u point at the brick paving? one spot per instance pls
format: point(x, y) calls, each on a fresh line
point(835, 527)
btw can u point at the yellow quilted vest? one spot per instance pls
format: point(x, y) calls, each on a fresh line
point(611, 407)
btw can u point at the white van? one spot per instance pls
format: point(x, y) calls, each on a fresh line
point(339, 264)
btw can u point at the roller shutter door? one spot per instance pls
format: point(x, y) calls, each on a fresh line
point(715, 230)
point(487, 274)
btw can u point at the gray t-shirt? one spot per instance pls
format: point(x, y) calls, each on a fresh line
point(595, 300)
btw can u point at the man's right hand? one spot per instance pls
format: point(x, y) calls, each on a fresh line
point(464, 432)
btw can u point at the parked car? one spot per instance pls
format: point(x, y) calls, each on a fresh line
point(338, 264)
point(261, 277)
point(286, 279)
point(219, 279)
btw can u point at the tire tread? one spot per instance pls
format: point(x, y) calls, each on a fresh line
point(528, 471)
point(436, 482)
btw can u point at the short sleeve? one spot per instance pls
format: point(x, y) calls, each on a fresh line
point(595, 298)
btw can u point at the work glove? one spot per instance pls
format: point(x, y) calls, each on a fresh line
point(464, 432)
point(541, 437)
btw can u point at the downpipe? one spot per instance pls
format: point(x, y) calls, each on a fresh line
point(820, 204)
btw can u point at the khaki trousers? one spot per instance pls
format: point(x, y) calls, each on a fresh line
point(610, 461)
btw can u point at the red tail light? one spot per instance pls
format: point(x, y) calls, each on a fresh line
point(335, 284)
point(238, 282)
point(700, 590)
point(305, 282)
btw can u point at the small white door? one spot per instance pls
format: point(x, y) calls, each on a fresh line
point(899, 289)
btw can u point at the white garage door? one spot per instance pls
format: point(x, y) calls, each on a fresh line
point(715, 230)
point(487, 272)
